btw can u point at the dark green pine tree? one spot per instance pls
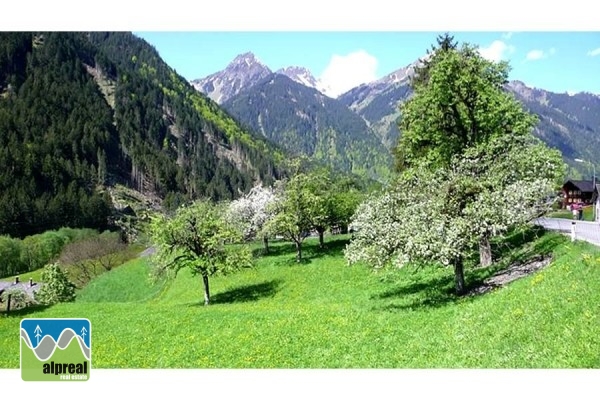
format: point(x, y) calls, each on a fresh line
point(444, 42)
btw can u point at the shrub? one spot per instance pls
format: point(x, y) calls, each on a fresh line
point(74, 235)
point(10, 254)
point(56, 286)
point(90, 257)
point(18, 299)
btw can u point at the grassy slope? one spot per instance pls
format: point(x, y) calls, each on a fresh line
point(325, 314)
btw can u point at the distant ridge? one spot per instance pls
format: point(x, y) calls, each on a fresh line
point(47, 346)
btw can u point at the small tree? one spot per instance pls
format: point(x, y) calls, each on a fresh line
point(345, 197)
point(513, 180)
point(196, 237)
point(320, 187)
point(296, 211)
point(56, 287)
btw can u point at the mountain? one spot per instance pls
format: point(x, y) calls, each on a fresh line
point(305, 121)
point(377, 102)
point(306, 78)
point(244, 71)
point(82, 112)
point(568, 122)
point(300, 75)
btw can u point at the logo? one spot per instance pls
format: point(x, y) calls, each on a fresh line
point(56, 349)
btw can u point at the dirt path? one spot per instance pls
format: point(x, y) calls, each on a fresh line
point(512, 273)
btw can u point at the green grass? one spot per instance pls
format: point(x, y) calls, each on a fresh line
point(127, 283)
point(325, 314)
point(35, 275)
point(588, 214)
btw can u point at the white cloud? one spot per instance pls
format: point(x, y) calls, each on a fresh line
point(345, 72)
point(496, 51)
point(535, 55)
point(594, 53)
point(507, 35)
point(539, 54)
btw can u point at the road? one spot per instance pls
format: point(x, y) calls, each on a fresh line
point(148, 252)
point(584, 230)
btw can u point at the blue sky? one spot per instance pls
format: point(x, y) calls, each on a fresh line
point(555, 61)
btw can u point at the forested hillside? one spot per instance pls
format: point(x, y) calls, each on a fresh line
point(83, 111)
point(307, 122)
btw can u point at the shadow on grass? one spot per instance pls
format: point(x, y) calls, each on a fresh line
point(428, 292)
point(507, 248)
point(23, 311)
point(310, 250)
point(245, 293)
point(437, 291)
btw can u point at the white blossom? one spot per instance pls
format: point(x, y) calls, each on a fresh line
point(251, 211)
point(436, 217)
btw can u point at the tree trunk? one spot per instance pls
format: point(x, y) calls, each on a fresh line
point(321, 230)
point(485, 252)
point(206, 290)
point(8, 304)
point(298, 252)
point(266, 243)
point(459, 276)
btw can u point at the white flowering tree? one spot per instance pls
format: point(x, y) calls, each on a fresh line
point(410, 223)
point(251, 211)
point(516, 180)
point(441, 216)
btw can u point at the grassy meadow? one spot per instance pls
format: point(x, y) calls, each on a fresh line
point(324, 314)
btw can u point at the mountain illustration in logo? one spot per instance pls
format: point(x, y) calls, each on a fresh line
point(47, 345)
point(55, 349)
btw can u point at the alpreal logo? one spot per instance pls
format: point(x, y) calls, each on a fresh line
point(56, 349)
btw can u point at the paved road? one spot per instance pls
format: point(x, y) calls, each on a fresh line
point(148, 252)
point(584, 230)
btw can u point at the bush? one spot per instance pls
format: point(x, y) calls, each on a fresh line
point(74, 235)
point(56, 287)
point(18, 299)
point(39, 250)
point(10, 254)
point(90, 257)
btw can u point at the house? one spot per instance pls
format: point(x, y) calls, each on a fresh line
point(577, 192)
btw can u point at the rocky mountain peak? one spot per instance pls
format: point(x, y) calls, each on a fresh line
point(244, 60)
point(301, 75)
point(241, 73)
